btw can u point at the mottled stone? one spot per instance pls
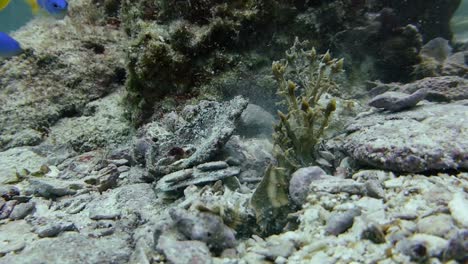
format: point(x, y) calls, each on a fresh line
point(7, 208)
point(13, 247)
point(300, 181)
point(457, 248)
point(459, 208)
point(441, 225)
point(206, 128)
point(443, 88)
point(204, 227)
point(212, 166)
point(184, 252)
point(429, 137)
point(53, 188)
point(338, 222)
point(21, 210)
point(397, 101)
point(184, 178)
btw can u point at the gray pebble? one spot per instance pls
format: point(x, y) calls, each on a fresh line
point(457, 248)
point(7, 208)
point(416, 250)
point(12, 247)
point(374, 233)
point(21, 210)
point(8, 191)
point(338, 223)
point(50, 230)
point(441, 225)
point(280, 248)
point(300, 181)
point(397, 101)
point(54, 229)
point(119, 162)
point(374, 189)
point(100, 216)
point(212, 166)
point(124, 168)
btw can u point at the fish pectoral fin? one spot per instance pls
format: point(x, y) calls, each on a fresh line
point(34, 5)
point(4, 3)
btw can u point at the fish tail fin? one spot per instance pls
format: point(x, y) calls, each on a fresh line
point(4, 3)
point(34, 6)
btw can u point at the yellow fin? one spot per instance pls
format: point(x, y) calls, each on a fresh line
point(4, 3)
point(34, 6)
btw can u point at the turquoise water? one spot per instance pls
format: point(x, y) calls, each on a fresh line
point(15, 15)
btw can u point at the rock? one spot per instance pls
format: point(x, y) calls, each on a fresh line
point(374, 189)
point(7, 192)
point(430, 137)
point(416, 250)
point(13, 247)
point(206, 129)
point(300, 181)
point(456, 64)
point(397, 101)
point(119, 162)
point(434, 244)
point(459, 209)
point(205, 227)
point(54, 229)
point(212, 166)
point(338, 223)
point(457, 248)
point(275, 247)
point(21, 210)
point(441, 225)
point(7, 208)
point(184, 252)
point(252, 154)
point(338, 185)
point(101, 128)
point(256, 121)
point(103, 216)
point(25, 157)
point(106, 179)
point(440, 89)
point(184, 178)
point(69, 249)
point(53, 188)
point(374, 233)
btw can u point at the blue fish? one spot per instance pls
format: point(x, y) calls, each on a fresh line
point(56, 8)
point(9, 46)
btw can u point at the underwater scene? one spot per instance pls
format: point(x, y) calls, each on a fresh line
point(234, 132)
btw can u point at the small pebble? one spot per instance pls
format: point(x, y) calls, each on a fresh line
point(374, 233)
point(21, 210)
point(13, 247)
point(50, 230)
point(338, 223)
point(119, 162)
point(459, 209)
point(7, 208)
point(211, 166)
point(457, 248)
point(124, 168)
point(111, 216)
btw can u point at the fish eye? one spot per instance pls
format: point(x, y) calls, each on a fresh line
point(55, 5)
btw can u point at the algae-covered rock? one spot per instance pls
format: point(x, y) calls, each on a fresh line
point(189, 139)
point(430, 137)
point(58, 74)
